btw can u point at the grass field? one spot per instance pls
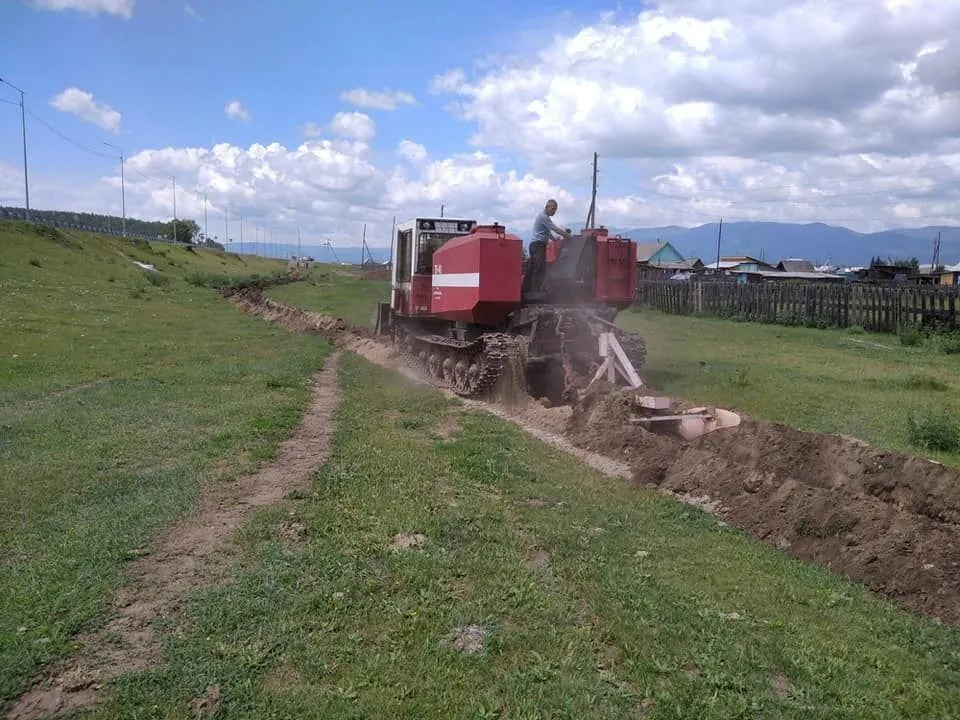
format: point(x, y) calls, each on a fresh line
point(831, 381)
point(334, 290)
point(119, 397)
point(598, 600)
point(826, 380)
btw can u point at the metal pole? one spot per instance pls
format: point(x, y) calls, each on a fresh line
point(719, 234)
point(23, 128)
point(174, 209)
point(123, 191)
point(205, 236)
point(393, 235)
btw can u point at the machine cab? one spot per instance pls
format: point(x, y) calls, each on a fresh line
point(413, 246)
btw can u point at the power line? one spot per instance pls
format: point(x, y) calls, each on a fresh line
point(70, 140)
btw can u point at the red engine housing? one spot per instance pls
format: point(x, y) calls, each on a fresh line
point(616, 281)
point(477, 277)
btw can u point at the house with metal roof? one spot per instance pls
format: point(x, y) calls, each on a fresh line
point(796, 265)
point(660, 260)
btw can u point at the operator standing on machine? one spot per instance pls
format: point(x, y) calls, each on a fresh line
point(543, 249)
point(543, 227)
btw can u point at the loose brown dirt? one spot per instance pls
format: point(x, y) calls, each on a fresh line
point(194, 554)
point(888, 520)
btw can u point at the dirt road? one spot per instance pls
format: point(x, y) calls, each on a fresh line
point(193, 554)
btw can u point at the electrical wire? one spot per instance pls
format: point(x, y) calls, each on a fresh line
point(67, 138)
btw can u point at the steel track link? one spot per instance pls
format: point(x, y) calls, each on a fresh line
point(493, 350)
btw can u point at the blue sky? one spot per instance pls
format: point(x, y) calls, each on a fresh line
point(700, 109)
point(170, 73)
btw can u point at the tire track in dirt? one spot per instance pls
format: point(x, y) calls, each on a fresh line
point(887, 520)
point(193, 554)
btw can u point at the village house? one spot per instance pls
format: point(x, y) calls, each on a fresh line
point(739, 263)
point(795, 265)
point(660, 260)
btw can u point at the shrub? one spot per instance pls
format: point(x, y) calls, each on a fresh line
point(157, 279)
point(934, 431)
point(950, 344)
point(910, 336)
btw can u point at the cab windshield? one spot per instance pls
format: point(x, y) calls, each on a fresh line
point(428, 243)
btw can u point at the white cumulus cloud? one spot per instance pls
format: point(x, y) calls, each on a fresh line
point(722, 104)
point(803, 110)
point(311, 130)
point(378, 99)
point(122, 8)
point(236, 111)
point(414, 152)
point(354, 125)
point(81, 103)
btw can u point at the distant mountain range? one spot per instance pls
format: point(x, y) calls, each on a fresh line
point(820, 243)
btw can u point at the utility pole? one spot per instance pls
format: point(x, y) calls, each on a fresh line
point(174, 179)
point(256, 238)
point(441, 211)
point(592, 212)
point(393, 234)
point(299, 252)
point(123, 192)
point(719, 235)
point(226, 224)
point(241, 234)
point(23, 127)
point(205, 236)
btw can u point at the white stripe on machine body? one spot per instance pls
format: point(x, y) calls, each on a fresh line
point(456, 280)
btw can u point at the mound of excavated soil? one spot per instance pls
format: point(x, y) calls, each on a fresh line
point(888, 520)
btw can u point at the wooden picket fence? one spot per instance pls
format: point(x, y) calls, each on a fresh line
point(885, 309)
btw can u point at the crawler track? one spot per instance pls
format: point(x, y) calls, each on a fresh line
point(468, 369)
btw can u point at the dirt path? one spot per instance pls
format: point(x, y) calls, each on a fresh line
point(194, 554)
point(888, 520)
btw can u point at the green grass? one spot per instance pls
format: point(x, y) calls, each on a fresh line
point(633, 606)
point(830, 381)
point(119, 399)
point(334, 290)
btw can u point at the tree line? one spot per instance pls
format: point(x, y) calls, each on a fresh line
point(181, 230)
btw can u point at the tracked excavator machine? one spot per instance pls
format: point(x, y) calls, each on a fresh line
point(468, 307)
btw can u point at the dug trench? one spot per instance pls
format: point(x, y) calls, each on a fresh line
point(887, 520)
